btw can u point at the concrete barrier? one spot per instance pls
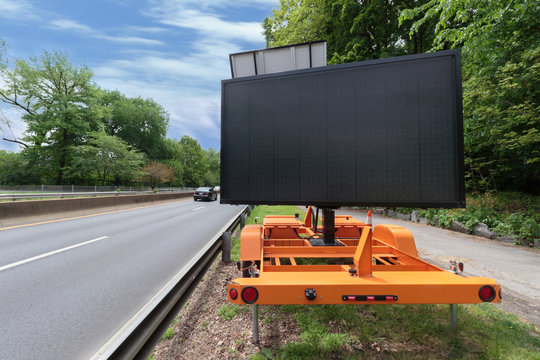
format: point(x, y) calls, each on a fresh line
point(39, 207)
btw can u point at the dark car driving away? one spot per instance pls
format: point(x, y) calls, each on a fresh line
point(205, 193)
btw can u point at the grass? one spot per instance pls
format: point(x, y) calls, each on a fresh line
point(264, 210)
point(395, 331)
point(229, 311)
point(404, 332)
point(168, 334)
point(258, 215)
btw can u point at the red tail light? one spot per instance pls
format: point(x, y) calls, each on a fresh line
point(194, 193)
point(250, 295)
point(486, 293)
point(233, 294)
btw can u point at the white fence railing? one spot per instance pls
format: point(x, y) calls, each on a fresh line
point(80, 188)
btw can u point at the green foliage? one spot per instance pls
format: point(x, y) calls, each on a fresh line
point(14, 169)
point(57, 100)
point(212, 174)
point(354, 30)
point(404, 332)
point(79, 133)
point(229, 311)
point(260, 211)
point(168, 334)
point(193, 161)
point(505, 213)
point(106, 157)
point(501, 52)
point(142, 123)
point(172, 155)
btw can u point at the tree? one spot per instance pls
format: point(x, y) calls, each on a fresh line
point(295, 22)
point(172, 155)
point(354, 30)
point(212, 175)
point(14, 169)
point(106, 157)
point(56, 99)
point(501, 57)
point(155, 173)
point(141, 123)
point(193, 161)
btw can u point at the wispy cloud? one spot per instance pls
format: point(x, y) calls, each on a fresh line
point(188, 83)
point(176, 52)
point(20, 9)
point(206, 18)
point(67, 24)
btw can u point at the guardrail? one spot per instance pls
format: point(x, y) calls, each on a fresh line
point(19, 196)
point(137, 339)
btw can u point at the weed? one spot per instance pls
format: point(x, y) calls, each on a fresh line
point(229, 311)
point(168, 334)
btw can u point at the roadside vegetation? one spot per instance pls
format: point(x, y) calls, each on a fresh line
point(78, 133)
point(507, 214)
point(501, 72)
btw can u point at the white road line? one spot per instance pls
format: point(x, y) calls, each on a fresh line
point(199, 208)
point(12, 265)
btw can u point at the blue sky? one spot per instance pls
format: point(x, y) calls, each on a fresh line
point(174, 51)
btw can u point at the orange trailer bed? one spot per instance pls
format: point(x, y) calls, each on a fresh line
point(368, 266)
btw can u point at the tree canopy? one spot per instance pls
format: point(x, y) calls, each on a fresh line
point(501, 52)
point(106, 157)
point(79, 133)
point(354, 30)
point(56, 99)
point(141, 123)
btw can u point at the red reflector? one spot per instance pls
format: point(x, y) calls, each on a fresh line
point(389, 298)
point(370, 298)
point(250, 295)
point(486, 293)
point(233, 294)
point(351, 298)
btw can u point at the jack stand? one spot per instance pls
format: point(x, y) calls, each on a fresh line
point(329, 229)
point(255, 313)
point(453, 317)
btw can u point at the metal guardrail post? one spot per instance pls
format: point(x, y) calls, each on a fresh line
point(242, 220)
point(226, 247)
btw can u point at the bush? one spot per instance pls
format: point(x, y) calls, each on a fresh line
point(506, 213)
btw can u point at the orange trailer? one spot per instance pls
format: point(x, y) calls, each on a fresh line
point(286, 261)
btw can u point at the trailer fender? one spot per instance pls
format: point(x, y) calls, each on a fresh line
point(396, 236)
point(251, 243)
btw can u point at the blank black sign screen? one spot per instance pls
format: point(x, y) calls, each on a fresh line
point(376, 133)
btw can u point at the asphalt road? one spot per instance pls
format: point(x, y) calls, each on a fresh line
point(67, 287)
point(516, 268)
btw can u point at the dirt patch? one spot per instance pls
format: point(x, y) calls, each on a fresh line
point(201, 334)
